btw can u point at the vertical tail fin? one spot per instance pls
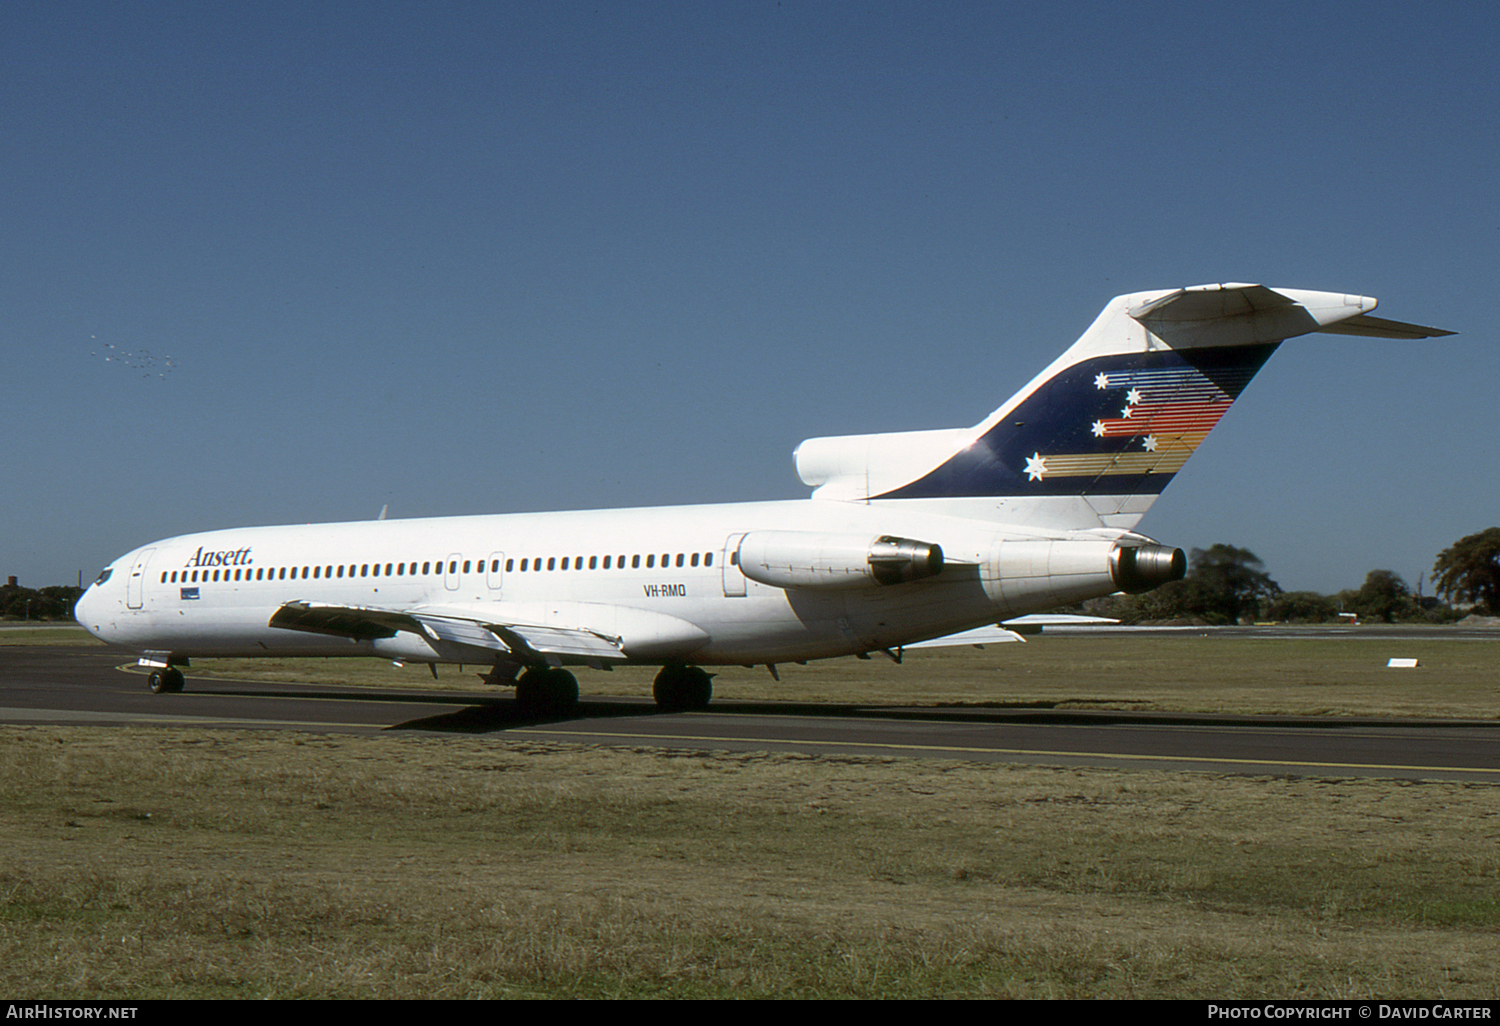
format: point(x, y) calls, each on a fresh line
point(1092, 440)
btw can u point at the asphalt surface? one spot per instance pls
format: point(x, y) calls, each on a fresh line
point(83, 685)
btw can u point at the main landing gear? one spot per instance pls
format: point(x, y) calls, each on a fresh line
point(165, 682)
point(682, 688)
point(546, 691)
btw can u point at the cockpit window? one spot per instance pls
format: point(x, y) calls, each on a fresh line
point(104, 575)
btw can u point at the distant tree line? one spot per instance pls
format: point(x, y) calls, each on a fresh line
point(1226, 585)
point(52, 603)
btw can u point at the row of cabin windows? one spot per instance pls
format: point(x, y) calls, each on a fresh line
point(433, 566)
point(604, 562)
point(307, 572)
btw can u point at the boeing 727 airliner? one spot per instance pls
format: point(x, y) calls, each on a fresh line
point(907, 537)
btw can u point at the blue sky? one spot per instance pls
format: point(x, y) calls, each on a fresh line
point(493, 257)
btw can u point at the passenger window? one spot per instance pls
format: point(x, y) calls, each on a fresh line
point(679, 559)
point(593, 562)
point(606, 562)
point(509, 564)
point(695, 559)
point(650, 561)
point(552, 563)
point(635, 561)
point(708, 559)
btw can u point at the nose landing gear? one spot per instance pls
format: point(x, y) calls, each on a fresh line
point(165, 682)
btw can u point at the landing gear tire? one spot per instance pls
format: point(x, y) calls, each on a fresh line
point(682, 688)
point(165, 682)
point(547, 692)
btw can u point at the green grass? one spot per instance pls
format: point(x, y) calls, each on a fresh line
point(57, 634)
point(169, 863)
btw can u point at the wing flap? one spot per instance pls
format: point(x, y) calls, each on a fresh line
point(561, 641)
point(358, 622)
point(368, 623)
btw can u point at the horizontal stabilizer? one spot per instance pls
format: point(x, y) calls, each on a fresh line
point(1379, 327)
point(978, 638)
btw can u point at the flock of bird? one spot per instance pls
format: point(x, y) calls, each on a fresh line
point(136, 359)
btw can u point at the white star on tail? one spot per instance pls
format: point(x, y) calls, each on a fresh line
point(1101, 381)
point(1098, 429)
point(1133, 396)
point(1036, 466)
point(1149, 442)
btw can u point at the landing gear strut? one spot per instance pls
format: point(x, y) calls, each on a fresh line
point(682, 688)
point(546, 691)
point(165, 682)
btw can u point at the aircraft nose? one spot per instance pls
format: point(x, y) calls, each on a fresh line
point(86, 612)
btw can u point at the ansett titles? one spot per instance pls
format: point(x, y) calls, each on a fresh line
point(236, 557)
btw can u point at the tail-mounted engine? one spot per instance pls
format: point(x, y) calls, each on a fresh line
point(1031, 574)
point(806, 559)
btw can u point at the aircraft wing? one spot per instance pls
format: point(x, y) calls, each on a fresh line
point(366, 623)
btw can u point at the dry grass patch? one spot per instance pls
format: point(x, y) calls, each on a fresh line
point(153, 863)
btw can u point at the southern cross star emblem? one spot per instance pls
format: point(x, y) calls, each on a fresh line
point(1101, 381)
point(1036, 466)
point(1149, 442)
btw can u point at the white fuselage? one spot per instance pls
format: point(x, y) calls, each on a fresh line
point(664, 579)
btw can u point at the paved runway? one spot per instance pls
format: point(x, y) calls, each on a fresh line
point(80, 685)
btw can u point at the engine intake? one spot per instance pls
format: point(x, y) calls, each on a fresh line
point(806, 559)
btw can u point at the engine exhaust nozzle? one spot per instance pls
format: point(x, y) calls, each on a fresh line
point(1138, 568)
